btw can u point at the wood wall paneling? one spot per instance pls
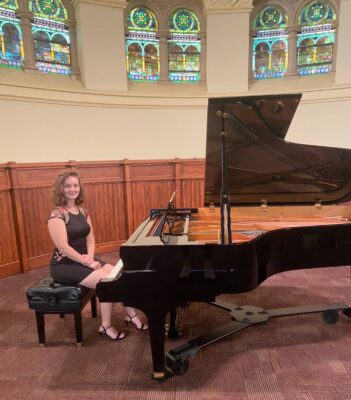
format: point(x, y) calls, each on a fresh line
point(9, 256)
point(105, 204)
point(192, 193)
point(30, 195)
point(147, 195)
point(36, 205)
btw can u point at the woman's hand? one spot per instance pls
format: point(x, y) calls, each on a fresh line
point(87, 260)
point(95, 265)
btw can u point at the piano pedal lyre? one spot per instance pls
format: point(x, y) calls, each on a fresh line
point(174, 327)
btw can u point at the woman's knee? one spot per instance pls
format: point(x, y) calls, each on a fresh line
point(108, 268)
point(93, 279)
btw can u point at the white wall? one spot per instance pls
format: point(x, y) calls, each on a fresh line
point(45, 130)
point(39, 132)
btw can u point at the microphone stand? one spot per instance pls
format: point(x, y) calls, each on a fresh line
point(226, 226)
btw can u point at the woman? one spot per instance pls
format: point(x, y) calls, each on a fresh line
point(73, 258)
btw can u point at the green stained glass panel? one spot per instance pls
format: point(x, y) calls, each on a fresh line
point(142, 19)
point(316, 12)
point(270, 57)
point(315, 53)
point(270, 18)
point(9, 4)
point(49, 9)
point(11, 49)
point(184, 21)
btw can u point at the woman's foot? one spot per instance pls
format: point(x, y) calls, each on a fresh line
point(111, 333)
point(135, 321)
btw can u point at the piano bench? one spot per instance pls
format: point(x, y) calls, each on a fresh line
point(48, 297)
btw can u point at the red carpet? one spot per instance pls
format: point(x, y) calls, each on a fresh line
point(293, 358)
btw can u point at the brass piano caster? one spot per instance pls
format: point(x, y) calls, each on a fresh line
point(158, 376)
point(178, 367)
point(331, 316)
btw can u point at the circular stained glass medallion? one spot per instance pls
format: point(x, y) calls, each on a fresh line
point(317, 12)
point(142, 19)
point(184, 21)
point(52, 9)
point(270, 18)
point(48, 7)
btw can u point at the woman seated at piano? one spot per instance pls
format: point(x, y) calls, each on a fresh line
point(73, 260)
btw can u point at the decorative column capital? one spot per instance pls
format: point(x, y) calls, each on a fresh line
point(105, 3)
point(227, 6)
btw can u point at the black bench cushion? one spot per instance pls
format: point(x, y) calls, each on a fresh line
point(48, 296)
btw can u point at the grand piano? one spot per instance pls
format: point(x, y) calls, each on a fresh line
point(270, 206)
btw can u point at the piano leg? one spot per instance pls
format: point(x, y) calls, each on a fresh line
point(156, 321)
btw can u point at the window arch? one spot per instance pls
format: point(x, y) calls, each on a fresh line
point(270, 44)
point(51, 37)
point(184, 46)
point(11, 43)
point(316, 37)
point(142, 45)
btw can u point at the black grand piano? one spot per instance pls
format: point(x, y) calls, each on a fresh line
point(270, 206)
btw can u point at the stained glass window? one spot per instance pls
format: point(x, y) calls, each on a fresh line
point(142, 45)
point(11, 44)
point(270, 44)
point(184, 47)
point(51, 36)
point(316, 37)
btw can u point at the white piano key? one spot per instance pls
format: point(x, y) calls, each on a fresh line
point(116, 270)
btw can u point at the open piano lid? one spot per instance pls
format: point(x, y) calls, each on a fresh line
point(261, 165)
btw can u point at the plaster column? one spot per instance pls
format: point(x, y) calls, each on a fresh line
point(101, 43)
point(292, 53)
point(343, 70)
point(73, 47)
point(228, 36)
point(26, 16)
point(163, 56)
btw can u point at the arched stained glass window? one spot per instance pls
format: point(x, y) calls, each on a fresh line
point(142, 45)
point(184, 46)
point(270, 44)
point(11, 44)
point(51, 36)
point(316, 37)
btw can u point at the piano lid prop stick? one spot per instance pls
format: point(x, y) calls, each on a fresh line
point(226, 226)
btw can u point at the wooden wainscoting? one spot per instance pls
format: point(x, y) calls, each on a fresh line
point(9, 255)
point(119, 195)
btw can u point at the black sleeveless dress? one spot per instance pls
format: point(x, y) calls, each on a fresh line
point(63, 269)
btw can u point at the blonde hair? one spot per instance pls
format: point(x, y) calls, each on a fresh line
point(57, 195)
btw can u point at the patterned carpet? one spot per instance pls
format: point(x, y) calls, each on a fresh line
point(293, 358)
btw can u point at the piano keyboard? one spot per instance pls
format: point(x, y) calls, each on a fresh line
point(116, 270)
